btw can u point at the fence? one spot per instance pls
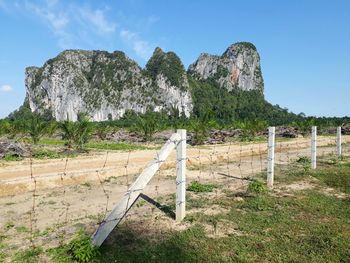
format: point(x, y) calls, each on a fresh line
point(47, 201)
point(313, 148)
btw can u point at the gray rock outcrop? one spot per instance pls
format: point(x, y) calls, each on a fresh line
point(237, 68)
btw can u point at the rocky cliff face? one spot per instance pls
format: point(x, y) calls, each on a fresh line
point(105, 85)
point(237, 68)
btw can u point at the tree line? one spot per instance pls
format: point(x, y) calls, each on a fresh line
point(214, 107)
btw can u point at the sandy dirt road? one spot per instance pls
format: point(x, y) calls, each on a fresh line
point(17, 177)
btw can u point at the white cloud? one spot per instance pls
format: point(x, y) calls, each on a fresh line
point(141, 47)
point(98, 19)
point(6, 88)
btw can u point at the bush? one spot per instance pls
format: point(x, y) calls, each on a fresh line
point(256, 187)
point(81, 248)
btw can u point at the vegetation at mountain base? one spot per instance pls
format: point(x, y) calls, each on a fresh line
point(214, 109)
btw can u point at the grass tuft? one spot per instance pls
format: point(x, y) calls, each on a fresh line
point(198, 187)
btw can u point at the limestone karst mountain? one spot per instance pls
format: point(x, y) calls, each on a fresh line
point(105, 85)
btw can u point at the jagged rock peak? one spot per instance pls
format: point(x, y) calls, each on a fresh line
point(169, 74)
point(169, 65)
point(237, 68)
point(235, 48)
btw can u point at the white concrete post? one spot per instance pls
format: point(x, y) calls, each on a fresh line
point(133, 192)
point(271, 157)
point(339, 142)
point(313, 147)
point(181, 176)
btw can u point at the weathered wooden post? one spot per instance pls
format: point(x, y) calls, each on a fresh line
point(181, 176)
point(339, 152)
point(314, 147)
point(271, 157)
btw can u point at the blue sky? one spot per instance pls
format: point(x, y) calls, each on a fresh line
point(304, 45)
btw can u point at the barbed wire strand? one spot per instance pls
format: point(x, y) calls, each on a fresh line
point(32, 212)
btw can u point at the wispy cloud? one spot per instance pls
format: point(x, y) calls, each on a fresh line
point(141, 47)
point(98, 19)
point(83, 26)
point(68, 21)
point(55, 19)
point(6, 88)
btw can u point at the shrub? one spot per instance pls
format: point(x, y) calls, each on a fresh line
point(256, 187)
point(304, 160)
point(81, 248)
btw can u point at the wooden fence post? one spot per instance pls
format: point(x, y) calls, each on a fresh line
point(271, 157)
point(181, 176)
point(314, 147)
point(339, 152)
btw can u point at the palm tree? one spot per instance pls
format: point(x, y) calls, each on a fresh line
point(147, 124)
point(199, 129)
point(68, 131)
point(76, 133)
point(251, 127)
point(102, 130)
point(13, 130)
point(36, 128)
point(304, 126)
point(83, 132)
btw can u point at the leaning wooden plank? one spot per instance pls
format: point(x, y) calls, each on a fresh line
point(133, 192)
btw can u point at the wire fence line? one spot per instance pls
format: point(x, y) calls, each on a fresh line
point(53, 204)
